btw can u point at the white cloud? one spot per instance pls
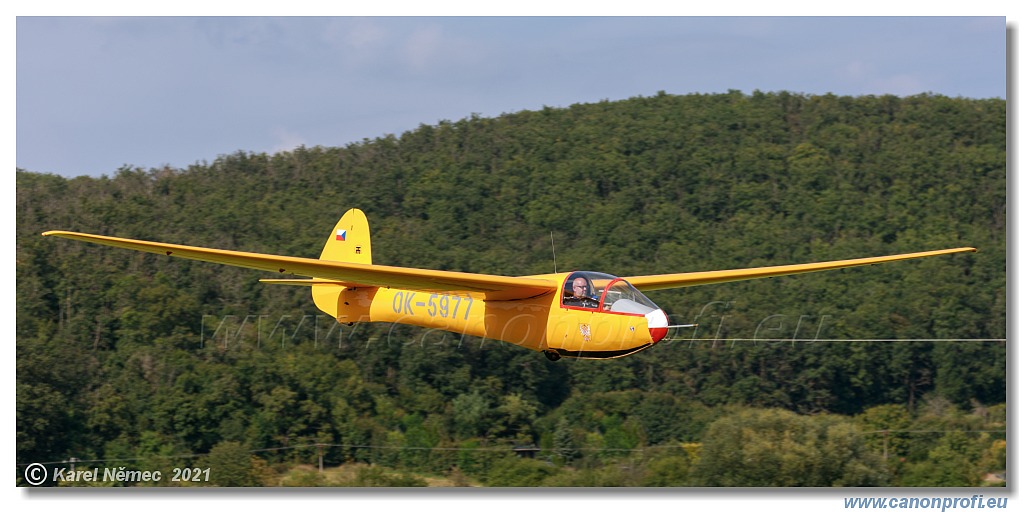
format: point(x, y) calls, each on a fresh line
point(357, 34)
point(857, 70)
point(900, 85)
point(423, 48)
point(286, 140)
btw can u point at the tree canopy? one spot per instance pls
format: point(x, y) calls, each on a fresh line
point(129, 356)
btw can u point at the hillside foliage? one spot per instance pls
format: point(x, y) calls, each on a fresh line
point(129, 356)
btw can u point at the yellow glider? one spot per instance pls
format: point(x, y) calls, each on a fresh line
point(569, 314)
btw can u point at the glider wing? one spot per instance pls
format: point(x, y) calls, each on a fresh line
point(665, 281)
point(347, 274)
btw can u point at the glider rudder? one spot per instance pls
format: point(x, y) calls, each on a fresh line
point(348, 242)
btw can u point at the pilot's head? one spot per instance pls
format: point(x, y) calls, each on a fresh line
point(579, 287)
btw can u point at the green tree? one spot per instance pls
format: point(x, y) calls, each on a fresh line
point(672, 471)
point(885, 428)
point(119, 353)
point(564, 443)
point(471, 414)
point(950, 463)
point(776, 448)
point(516, 416)
point(517, 472)
point(232, 465)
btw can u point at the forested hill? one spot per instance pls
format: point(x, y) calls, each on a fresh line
point(125, 355)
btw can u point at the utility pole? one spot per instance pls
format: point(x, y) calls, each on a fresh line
point(320, 455)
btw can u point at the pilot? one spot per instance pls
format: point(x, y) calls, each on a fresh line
point(581, 296)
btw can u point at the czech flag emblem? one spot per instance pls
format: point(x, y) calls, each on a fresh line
point(340, 235)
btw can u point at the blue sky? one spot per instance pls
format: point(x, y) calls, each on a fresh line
point(94, 94)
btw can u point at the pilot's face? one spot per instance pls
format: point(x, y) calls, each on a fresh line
point(579, 287)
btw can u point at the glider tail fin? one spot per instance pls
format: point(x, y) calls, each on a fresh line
point(349, 242)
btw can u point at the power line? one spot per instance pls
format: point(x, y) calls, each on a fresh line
point(453, 448)
point(930, 431)
point(811, 340)
point(76, 461)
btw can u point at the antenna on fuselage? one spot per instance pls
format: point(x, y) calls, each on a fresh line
point(553, 259)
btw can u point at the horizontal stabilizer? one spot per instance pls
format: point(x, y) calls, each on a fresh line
point(306, 282)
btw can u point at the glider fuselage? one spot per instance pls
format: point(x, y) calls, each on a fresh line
point(548, 322)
